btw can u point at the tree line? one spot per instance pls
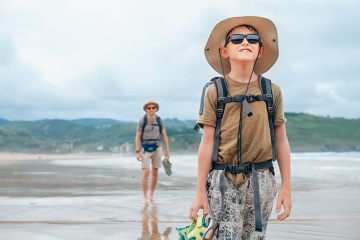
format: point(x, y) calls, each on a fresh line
point(306, 132)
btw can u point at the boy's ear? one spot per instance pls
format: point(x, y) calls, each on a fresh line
point(261, 51)
point(223, 52)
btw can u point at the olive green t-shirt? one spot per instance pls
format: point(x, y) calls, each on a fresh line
point(256, 142)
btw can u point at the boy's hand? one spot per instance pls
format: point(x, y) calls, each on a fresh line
point(200, 202)
point(284, 199)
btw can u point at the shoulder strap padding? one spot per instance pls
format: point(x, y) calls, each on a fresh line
point(265, 86)
point(158, 120)
point(201, 109)
point(222, 92)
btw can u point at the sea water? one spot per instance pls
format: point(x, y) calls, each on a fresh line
point(107, 192)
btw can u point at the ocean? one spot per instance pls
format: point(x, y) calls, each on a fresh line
point(102, 198)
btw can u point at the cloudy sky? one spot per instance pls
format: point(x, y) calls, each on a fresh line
point(74, 59)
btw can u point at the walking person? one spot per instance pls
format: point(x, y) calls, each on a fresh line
point(150, 136)
point(236, 186)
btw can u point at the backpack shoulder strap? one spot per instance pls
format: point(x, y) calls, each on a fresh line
point(265, 86)
point(158, 120)
point(222, 93)
point(143, 127)
point(201, 109)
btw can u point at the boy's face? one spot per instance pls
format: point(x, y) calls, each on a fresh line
point(244, 51)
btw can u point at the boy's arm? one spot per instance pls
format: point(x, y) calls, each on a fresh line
point(204, 164)
point(283, 158)
point(166, 143)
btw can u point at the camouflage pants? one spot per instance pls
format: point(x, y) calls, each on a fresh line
point(238, 220)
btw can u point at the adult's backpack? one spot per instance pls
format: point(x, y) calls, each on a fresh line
point(158, 120)
point(223, 98)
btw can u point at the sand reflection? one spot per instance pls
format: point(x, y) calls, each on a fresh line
point(150, 229)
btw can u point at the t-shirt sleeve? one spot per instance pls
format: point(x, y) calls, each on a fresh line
point(209, 114)
point(162, 123)
point(278, 105)
point(140, 125)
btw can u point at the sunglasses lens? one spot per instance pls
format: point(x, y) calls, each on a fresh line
point(253, 38)
point(237, 38)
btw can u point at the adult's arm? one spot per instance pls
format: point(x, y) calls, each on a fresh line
point(138, 145)
point(166, 143)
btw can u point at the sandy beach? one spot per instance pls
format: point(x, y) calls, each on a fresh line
point(99, 197)
point(8, 156)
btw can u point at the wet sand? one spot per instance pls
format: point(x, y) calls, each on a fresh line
point(8, 156)
point(101, 198)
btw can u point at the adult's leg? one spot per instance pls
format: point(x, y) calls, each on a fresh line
point(153, 182)
point(146, 158)
point(156, 164)
point(145, 181)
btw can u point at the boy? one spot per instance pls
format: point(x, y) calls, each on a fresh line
point(241, 49)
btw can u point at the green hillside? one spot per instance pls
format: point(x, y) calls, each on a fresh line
point(313, 133)
point(305, 132)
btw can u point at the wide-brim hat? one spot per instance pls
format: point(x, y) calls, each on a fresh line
point(151, 103)
point(268, 35)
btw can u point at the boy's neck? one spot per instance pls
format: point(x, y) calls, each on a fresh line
point(242, 74)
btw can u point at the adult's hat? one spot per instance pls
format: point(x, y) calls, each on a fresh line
point(268, 36)
point(151, 103)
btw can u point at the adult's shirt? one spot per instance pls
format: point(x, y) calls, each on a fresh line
point(151, 131)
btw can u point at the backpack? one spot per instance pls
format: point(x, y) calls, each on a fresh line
point(222, 95)
point(149, 147)
point(222, 99)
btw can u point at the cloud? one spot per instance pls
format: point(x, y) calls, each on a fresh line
point(72, 59)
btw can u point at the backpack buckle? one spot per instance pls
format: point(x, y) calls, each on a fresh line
point(219, 112)
point(246, 168)
point(267, 97)
point(239, 98)
point(222, 99)
point(251, 98)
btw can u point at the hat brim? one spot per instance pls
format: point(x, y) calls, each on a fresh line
point(268, 35)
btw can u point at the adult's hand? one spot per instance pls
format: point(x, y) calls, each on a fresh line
point(138, 156)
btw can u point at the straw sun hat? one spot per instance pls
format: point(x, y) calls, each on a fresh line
point(268, 36)
point(151, 103)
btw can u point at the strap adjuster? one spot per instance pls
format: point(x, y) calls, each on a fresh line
point(219, 112)
point(271, 111)
point(267, 96)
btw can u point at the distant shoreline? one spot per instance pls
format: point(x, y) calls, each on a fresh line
point(9, 156)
